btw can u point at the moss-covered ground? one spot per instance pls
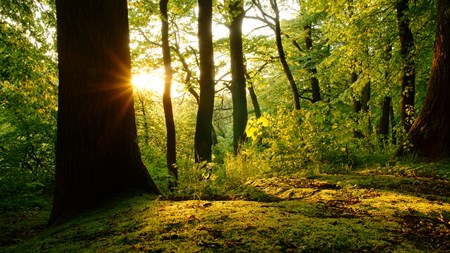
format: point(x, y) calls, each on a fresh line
point(364, 210)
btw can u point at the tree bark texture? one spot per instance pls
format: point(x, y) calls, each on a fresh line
point(408, 68)
point(430, 133)
point(238, 81)
point(97, 155)
point(203, 138)
point(171, 152)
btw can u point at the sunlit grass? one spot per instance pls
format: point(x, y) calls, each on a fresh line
point(350, 212)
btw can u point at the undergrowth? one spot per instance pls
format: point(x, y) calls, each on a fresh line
point(354, 211)
point(291, 188)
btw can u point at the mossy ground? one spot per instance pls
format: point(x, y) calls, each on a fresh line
point(363, 210)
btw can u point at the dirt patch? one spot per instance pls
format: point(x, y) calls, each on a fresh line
point(426, 232)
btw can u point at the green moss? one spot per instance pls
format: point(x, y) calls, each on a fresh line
point(352, 212)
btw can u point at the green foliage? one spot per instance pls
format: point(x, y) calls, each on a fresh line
point(321, 134)
point(28, 93)
point(341, 184)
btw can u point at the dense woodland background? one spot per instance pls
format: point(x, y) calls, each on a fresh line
point(345, 48)
point(331, 87)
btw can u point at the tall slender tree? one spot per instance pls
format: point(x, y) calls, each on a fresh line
point(167, 101)
point(430, 133)
point(97, 155)
point(315, 88)
point(238, 82)
point(274, 23)
point(203, 138)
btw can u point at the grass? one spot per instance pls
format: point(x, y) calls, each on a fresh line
point(370, 209)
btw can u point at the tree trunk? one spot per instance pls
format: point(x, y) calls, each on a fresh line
point(430, 133)
point(393, 130)
point(356, 107)
point(255, 102)
point(238, 82)
point(365, 97)
point(282, 55)
point(167, 101)
point(383, 128)
point(408, 69)
point(97, 155)
point(314, 81)
point(203, 139)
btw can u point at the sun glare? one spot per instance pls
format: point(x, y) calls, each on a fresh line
point(154, 82)
point(146, 81)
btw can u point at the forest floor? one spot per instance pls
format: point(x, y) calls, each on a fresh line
point(364, 210)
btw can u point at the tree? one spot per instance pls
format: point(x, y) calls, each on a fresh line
point(315, 88)
point(28, 96)
point(275, 25)
point(203, 138)
point(238, 82)
point(408, 69)
point(430, 133)
point(167, 101)
point(97, 156)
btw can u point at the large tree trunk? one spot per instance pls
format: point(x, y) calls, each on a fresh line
point(430, 133)
point(203, 139)
point(97, 155)
point(408, 69)
point(167, 100)
point(238, 82)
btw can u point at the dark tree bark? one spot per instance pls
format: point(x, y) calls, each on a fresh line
point(254, 100)
point(314, 81)
point(191, 89)
point(365, 97)
point(171, 158)
point(203, 139)
point(238, 81)
point(430, 133)
point(383, 128)
point(408, 69)
point(97, 155)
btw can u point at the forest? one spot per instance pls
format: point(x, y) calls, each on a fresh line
point(224, 126)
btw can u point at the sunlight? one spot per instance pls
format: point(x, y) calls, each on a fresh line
point(154, 82)
point(145, 81)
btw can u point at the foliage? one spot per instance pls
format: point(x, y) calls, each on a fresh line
point(306, 164)
point(28, 92)
point(315, 136)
